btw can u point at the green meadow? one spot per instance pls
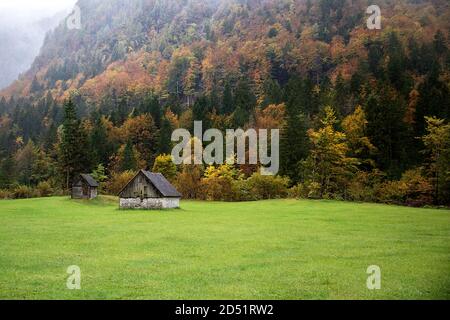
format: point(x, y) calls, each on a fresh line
point(278, 249)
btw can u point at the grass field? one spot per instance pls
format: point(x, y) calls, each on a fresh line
point(281, 249)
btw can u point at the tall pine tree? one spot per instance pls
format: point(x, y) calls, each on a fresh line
point(245, 102)
point(227, 100)
point(73, 148)
point(294, 139)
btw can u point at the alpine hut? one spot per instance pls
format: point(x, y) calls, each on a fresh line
point(84, 187)
point(149, 190)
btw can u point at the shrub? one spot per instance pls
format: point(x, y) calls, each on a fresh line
point(364, 186)
point(217, 189)
point(23, 192)
point(44, 189)
point(5, 194)
point(225, 171)
point(419, 188)
point(241, 191)
point(313, 190)
point(412, 189)
point(298, 192)
point(268, 187)
point(235, 188)
point(118, 181)
point(392, 192)
point(217, 183)
point(188, 182)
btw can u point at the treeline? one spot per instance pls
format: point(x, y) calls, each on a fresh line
point(323, 153)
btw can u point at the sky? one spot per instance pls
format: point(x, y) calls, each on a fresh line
point(35, 7)
point(23, 25)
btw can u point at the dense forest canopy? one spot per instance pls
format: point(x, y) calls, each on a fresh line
point(359, 109)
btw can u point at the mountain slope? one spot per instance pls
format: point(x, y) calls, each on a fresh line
point(180, 47)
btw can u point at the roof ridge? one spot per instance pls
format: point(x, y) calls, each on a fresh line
point(157, 179)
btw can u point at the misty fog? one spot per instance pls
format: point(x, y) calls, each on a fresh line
point(23, 25)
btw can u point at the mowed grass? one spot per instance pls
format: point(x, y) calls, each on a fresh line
point(281, 249)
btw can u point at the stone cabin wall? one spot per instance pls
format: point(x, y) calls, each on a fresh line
point(149, 203)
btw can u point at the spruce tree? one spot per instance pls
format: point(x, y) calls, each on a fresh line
point(2, 106)
point(6, 172)
point(245, 102)
point(439, 43)
point(153, 107)
point(385, 112)
point(294, 140)
point(396, 67)
point(375, 56)
point(272, 92)
point(73, 148)
point(227, 102)
point(434, 100)
point(340, 96)
point(200, 111)
point(98, 140)
point(129, 160)
point(165, 135)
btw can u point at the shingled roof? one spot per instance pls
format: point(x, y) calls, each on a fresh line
point(89, 180)
point(159, 182)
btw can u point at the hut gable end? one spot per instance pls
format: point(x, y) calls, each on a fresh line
point(149, 190)
point(140, 187)
point(84, 187)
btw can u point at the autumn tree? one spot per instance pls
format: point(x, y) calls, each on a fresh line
point(437, 150)
point(188, 181)
point(360, 147)
point(44, 167)
point(24, 159)
point(164, 164)
point(141, 132)
point(272, 117)
point(328, 164)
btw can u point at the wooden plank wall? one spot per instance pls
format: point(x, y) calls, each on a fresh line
point(140, 188)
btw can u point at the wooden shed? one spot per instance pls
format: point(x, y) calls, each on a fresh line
point(149, 190)
point(84, 187)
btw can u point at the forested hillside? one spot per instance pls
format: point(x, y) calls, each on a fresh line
point(364, 113)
